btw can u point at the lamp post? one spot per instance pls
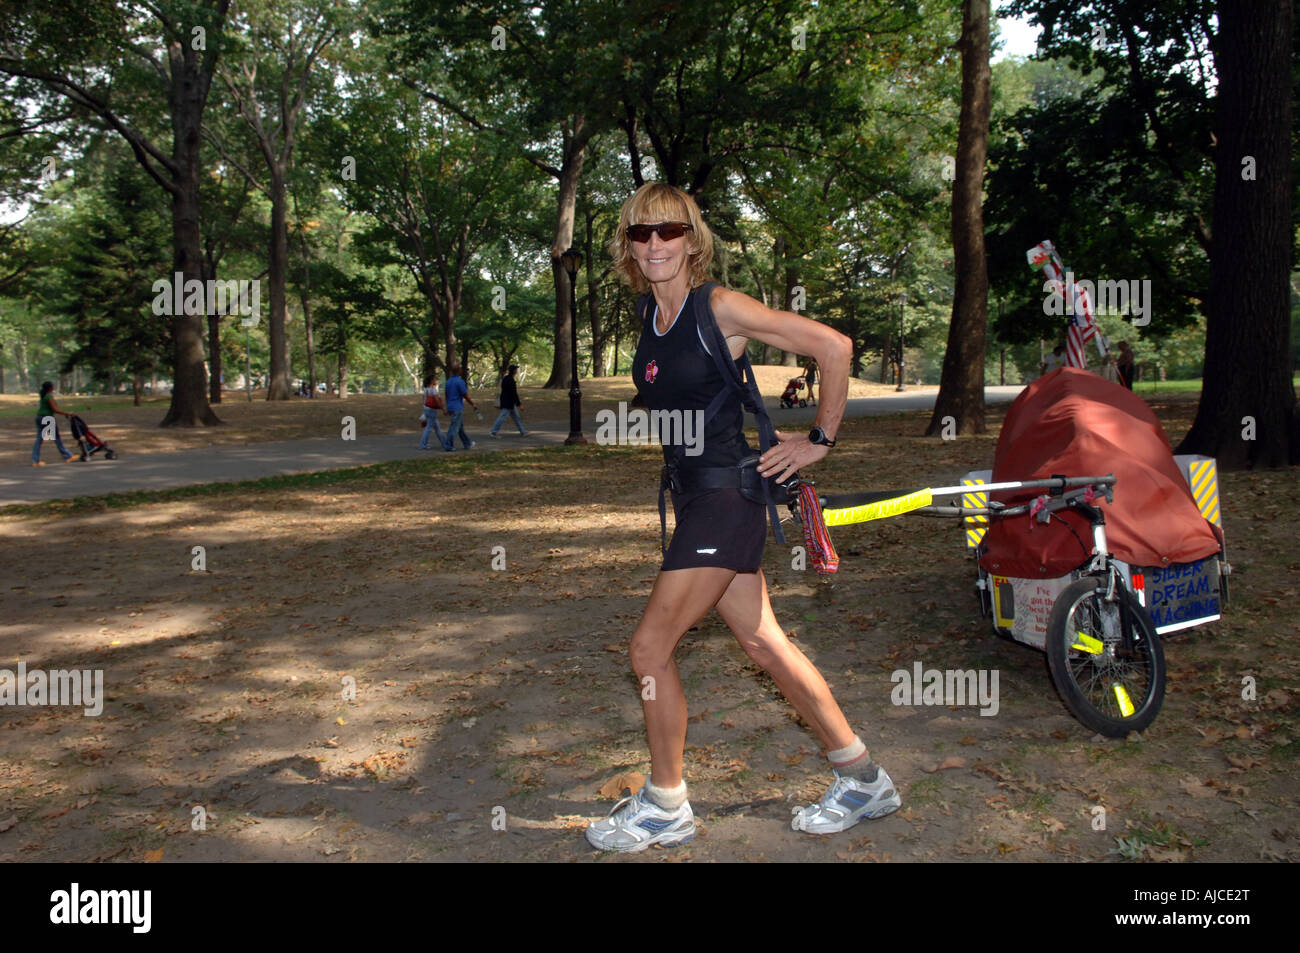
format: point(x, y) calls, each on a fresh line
point(571, 259)
point(902, 362)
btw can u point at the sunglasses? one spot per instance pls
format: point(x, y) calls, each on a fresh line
point(666, 230)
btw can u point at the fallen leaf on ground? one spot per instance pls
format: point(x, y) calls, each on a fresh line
point(1196, 788)
point(946, 764)
point(632, 781)
point(1240, 764)
point(1163, 855)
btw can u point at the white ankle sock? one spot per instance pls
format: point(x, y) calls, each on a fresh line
point(670, 799)
point(848, 753)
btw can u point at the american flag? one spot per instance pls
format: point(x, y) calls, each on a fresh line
point(1082, 327)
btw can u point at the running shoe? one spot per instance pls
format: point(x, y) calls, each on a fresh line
point(846, 802)
point(637, 823)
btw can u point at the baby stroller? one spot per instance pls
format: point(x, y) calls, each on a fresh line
point(791, 393)
point(87, 441)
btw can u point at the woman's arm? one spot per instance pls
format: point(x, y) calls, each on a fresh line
point(55, 407)
point(740, 317)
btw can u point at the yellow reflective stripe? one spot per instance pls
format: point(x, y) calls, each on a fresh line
point(1086, 643)
point(1125, 703)
point(876, 511)
point(1205, 489)
point(976, 526)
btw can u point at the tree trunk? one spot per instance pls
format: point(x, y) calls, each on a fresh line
point(343, 372)
point(1247, 414)
point(188, 95)
point(449, 339)
point(593, 313)
point(135, 391)
point(278, 386)
point(189, 404)
point(429, 359)
point(961, 386)
point(214, 357)
point(305, 296)
point(570, 172)
point(618, 335)
point(789, 358)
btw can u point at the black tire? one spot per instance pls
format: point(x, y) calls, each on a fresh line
point(1086, 680)
point(803, 403)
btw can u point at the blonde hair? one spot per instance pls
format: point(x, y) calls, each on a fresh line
point(658, 202)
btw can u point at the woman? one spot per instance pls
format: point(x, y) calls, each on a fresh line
point(714, 561)
point(1124, 363)
point(432, 404)
point(509, 403)
point(46, 411)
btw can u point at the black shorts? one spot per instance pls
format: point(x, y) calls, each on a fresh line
point(717, 528)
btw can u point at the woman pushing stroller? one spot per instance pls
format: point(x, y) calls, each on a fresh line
point(45, 419)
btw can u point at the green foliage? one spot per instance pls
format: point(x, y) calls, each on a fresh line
point(102, 251)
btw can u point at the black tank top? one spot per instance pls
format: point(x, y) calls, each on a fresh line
point(673, 371)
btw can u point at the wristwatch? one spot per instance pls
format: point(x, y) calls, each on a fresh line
point(817, 435)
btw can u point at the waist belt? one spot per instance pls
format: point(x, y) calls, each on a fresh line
point(743, 476)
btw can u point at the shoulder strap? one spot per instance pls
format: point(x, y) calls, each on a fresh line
point(740, 380)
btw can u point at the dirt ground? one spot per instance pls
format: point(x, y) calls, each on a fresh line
point(487, 694)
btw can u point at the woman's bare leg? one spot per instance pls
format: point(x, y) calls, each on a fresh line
point(680, 598)
point(746, 610)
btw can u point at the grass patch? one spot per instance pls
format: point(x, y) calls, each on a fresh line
point(925, 791)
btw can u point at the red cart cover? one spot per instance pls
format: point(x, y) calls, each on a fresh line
point(1075, 423)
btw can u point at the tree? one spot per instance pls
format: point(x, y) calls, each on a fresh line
point(537, 76)
point(961, 387)
point(1247, 412)
point(269, 78)
point(110, 243)
point(350, 303)
point(436, 193)
point(95, 55)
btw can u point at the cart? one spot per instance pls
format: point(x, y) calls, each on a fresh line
point(1047, 575)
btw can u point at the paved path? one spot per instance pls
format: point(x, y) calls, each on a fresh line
point(159, 471)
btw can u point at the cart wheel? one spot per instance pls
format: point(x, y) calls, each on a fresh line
point(1105, 658)
point(803, 403)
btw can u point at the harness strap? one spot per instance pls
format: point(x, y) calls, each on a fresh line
point(690, 479)
point(736, 380)
point(741, 380)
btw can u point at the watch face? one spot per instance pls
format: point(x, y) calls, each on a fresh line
point(817, 435)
